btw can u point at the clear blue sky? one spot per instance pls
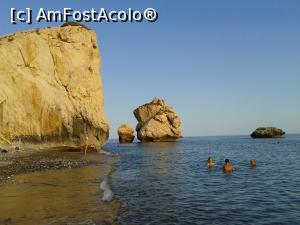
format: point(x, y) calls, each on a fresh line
point(227, 67)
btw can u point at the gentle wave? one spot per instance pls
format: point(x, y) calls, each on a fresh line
point(107, 192)
point(107, 153)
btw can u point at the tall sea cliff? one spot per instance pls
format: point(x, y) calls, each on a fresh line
point(50, 88)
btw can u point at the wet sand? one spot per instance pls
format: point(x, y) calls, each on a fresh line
point(56, 187)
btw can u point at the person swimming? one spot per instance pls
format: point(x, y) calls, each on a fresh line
point(253, 163)
point(210, 162)
point(228, 167)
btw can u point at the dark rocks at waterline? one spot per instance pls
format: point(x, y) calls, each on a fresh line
point(267, 132)
point(3, 150)
point(14, 164)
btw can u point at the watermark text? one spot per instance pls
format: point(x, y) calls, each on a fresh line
point(93, 15)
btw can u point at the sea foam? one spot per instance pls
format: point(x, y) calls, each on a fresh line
point(107, 153)
point(107, 192)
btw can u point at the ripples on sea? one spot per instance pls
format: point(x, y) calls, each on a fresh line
point(169, 183)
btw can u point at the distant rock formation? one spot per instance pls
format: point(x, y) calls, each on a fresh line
point(267, 132)
point(126, 133)
point(50, 87)
point(157, 122)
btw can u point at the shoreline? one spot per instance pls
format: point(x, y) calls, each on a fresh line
point(64, 172)
point(29, 160)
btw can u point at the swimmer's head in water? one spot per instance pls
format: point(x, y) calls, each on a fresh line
point(253, 162)
point(209, 159)
point(226, 160)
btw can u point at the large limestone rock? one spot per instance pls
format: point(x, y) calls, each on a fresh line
point(157, 122)
point(267, 132)
point(126, 133)
point(50, 87)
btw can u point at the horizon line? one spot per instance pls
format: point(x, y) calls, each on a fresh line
point(217, 135)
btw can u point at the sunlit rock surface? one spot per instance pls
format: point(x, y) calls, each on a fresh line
point(50, 87)
point(157, 122)
point(126, 133)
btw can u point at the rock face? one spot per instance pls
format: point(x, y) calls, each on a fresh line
point(157, 122)
point(126, 133)
point(50, 87)
point(267, 132)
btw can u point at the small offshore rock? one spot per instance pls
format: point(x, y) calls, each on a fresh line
point(267, 132)
point(126, 133)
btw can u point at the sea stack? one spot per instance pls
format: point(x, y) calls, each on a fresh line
point(50, 87)
point(126, 133)
point(267, 132)
point(157, 122)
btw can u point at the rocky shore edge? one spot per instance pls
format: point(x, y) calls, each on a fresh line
point(20, 161)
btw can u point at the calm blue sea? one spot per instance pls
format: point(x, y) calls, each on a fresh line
point(169, 183)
